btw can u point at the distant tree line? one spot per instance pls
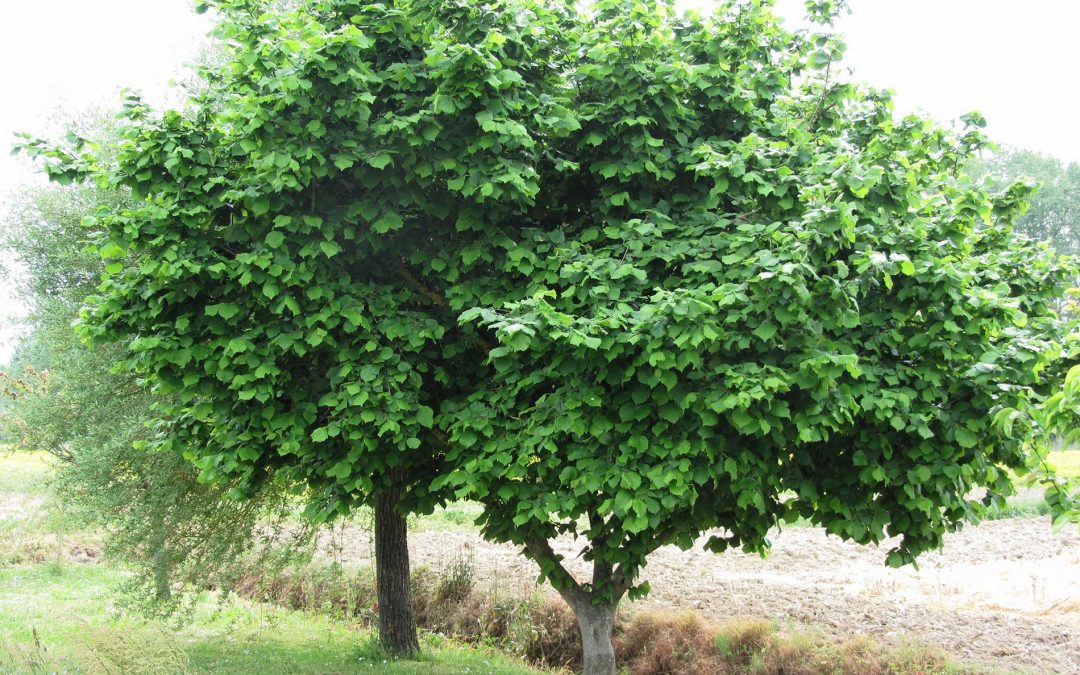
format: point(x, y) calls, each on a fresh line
point(1054, 214)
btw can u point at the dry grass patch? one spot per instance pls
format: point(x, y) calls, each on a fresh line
point(544, 632)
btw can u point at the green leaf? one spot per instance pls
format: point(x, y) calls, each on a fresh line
point(224, 310)
point(765, 331)
point(965, 438)
point(340, 471)
point(260, 205)
point(380, 160)
point(275, 239)
point(388, 222)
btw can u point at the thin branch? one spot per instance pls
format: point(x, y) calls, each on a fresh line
point(821, 99)
point(431, 294)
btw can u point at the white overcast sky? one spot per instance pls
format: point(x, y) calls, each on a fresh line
point(1017, 62)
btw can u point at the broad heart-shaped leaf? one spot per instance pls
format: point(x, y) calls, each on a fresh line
point(275, 239)
point(387, 223)
point(765, 331)
point(619, 273)
point(965, 438)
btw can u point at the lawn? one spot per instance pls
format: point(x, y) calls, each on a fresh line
point(24, 472)
point(62, 617)
point(1067, 462)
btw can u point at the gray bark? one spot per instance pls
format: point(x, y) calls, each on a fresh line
point(596, 623)
point(594, 605)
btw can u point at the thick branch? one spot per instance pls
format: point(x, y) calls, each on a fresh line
point(568, 587)
point(419, 286)
point(621, 579)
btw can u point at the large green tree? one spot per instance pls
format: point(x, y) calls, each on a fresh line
point(759, 295)
point(298, 223)
point(612, 270)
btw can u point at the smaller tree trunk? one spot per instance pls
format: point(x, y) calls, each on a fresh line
point(596, 623)
point(397, 625)
point(594, 605)
point(160, 561)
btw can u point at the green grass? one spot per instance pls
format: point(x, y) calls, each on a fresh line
point(33, 526)
point(1019, 507)
point(62, 617)
point(455, 516)
point(1067, 462)
point(24, 472)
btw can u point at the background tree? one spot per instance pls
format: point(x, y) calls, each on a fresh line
point(1054, 214)
point(64, 398)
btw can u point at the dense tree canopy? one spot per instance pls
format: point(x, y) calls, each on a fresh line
point(612, 270)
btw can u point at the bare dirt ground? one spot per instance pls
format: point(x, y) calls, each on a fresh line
point(17, 506)
point(1003, 596)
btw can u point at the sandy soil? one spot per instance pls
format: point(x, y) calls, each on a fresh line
point(1004, 596)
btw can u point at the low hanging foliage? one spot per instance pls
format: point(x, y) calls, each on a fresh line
point(613, 270)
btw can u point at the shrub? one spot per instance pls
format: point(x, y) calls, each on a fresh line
point(680, 645)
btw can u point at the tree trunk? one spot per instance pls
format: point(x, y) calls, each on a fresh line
point(596, 623)
point(397, 625)
point(160, 561)
point(594, 605)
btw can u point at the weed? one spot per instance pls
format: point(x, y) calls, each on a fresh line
point(457, 580)
point(108, 649)
point(743, 640)
point(33, 658)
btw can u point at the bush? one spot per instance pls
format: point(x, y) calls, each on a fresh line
point(679, 645)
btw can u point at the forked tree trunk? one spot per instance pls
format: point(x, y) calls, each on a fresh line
point(596, 623)
point(397, 625)
point(594, 605)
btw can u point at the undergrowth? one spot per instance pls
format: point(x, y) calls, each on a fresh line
point(449, 603)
